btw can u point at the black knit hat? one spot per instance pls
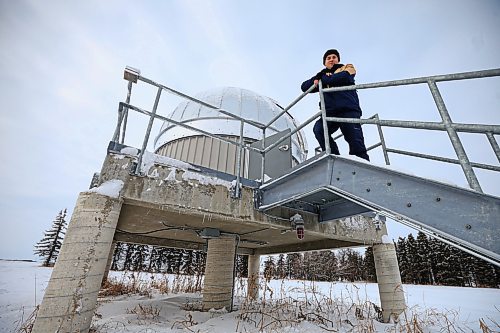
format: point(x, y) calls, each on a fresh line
point(331, 51)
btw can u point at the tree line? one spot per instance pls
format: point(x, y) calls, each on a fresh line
point(156, 259)
point(422, 260)
point(426, 260)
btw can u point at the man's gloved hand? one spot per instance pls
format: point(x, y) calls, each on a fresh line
point(320, 74)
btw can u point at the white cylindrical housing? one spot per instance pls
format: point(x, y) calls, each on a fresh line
point(180, 143)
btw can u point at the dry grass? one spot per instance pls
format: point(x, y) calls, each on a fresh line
point(134, 283)
point(344, 314)
point(27, 325)
point(146, 312)
point(273, 313)
point(185, 324)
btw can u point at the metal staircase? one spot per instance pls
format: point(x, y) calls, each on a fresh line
point(334, 187)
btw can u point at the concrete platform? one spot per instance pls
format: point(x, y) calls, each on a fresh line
point(174, 201)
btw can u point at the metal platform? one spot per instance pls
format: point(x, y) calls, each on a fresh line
point(334, 187)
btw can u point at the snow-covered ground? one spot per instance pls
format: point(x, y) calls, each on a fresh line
point(285, 306)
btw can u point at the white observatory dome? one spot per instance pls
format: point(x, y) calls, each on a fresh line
point(240, 102)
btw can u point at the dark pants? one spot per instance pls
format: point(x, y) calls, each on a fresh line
point(353, 134)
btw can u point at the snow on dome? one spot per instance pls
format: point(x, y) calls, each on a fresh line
point(240, 102)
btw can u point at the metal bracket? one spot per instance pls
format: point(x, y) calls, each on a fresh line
point(131, 74)
point(208, 233)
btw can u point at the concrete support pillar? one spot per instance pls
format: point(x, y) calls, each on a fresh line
point(71, 295)
point(219, 273)
point(253, 276)
point(389, 281)
point(108, 264)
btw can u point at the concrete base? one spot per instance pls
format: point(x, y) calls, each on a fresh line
point(389, 281)
point(71, 295)
point(219, 273)
point(253, 276)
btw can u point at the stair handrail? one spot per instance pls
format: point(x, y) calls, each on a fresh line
point(445, 125)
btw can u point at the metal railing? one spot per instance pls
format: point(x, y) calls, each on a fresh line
point(133, 76)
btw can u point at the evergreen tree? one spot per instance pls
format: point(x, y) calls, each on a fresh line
point(497, 276)
point(281, 267)
point(269, 268)
point(350, 265)
point(435, 252)
point(423, 267)
point(402, 259)
point(356, 263)
point(446, 266)
point(307, 266)
point(412, 259)
point(48, 247)
point(139, 257)
point(242, 265)
point(199, 261)
point(485, 274)
point(118, 253)
point(161, 263)
point(331, 265)
point(455, 262)
point(294, 266)
point(369, 273)
point(154, 262)
point(187, 262)
point(325, 266)
point(127, 260)
point(135, 257)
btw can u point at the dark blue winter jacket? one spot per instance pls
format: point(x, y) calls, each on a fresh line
point(338, 76)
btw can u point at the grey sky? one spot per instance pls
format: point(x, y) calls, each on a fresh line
point(62, 64)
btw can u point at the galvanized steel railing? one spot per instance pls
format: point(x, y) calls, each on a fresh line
point(446, 124)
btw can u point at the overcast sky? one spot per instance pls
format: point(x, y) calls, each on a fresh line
point(62, 64)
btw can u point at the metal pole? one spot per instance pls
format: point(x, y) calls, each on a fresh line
point(328, 149)
point(304, 124)
point(148, 132)
point(290, 105)
point(116, 134)
point(382, 141)
point(442, 159)
point(238, 168)
point(263, 154)
point(125, 116)
point(455, 140)
point(428, 125)
point(494, 145)
point(436, 78)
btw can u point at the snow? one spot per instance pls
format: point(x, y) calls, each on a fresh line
point(130, 151)
point(449, 309)
point(171, 175)
point(111, 188)
point(190, 172)
point(386, 239)
point(205, 180)
point(150, 159)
